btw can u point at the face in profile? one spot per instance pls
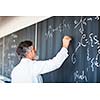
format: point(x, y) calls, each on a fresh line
point(32, 54)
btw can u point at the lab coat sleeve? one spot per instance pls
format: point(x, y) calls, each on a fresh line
point(52, 64)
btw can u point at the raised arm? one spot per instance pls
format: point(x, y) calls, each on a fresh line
point(55, 62)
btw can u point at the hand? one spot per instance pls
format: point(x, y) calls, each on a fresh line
point(66, 41)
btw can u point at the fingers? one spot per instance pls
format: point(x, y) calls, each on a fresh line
point(67, 38)
point(66, 41)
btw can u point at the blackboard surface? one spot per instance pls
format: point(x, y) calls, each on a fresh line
point(1, 54)
point(84, 52)
point(83, 63)
point(10, 43)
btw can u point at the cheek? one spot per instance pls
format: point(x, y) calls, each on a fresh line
point(34, 54)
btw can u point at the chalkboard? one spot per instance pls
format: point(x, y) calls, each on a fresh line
point(83, 64)
point(1, 54)
point(10, 43)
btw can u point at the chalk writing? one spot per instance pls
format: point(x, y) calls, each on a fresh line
point(92, 64)
point(88, 54)
point(83, 38)
point(10, 53)
point(78, 76)
point(92, 41)
point(49, 34)
point(87, 41)
point(14, 36)
point(73, 58)
point(13, 46)
point(60, 28)
point(94, 61)
point(65, 26)
point(80, 23)
point(11, 64)
point(97, 56)
point(89, 19)
point(90, 36)
point(97, 17)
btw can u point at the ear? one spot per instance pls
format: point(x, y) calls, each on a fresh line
point(27, 54)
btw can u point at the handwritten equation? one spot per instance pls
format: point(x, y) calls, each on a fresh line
point(80, 76)
point(10, 53)
point(88, 41)
point(67, 27)
point(82, 22)
point(59, 29)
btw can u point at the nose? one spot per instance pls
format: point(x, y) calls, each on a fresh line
point(35, 50)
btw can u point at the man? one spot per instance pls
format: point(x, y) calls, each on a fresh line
point(29, 70)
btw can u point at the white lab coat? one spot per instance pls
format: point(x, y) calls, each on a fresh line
point(28, 71)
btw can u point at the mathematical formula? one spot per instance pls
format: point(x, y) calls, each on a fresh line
point(89, 41)
point(86, 40)
point(80, 76)
point(59, 29)
point(10, 54)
